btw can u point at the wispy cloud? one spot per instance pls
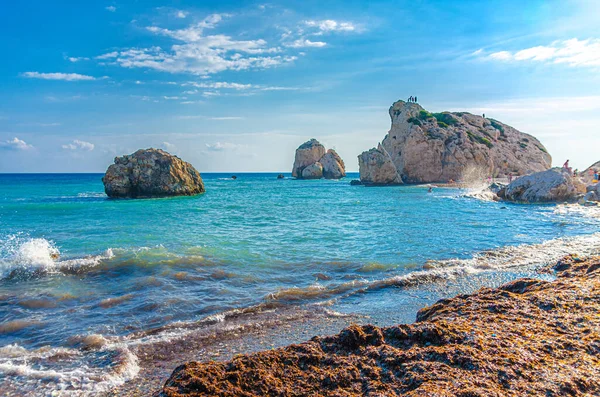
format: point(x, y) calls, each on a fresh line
point(304, 43)
point(77, 59)
point(196, 52)
point(169, 146)
point(79, 145)
point(573, 52)
point(218, 118)
point(222, 146)
point(329, 25)
point(219, 85)
point(111, 8)
point(58, 76)
point(15, 144)
point(181, 14)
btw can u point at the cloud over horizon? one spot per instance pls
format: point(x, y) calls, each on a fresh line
point(573, 52)
point(79, 145)
point(15, 144)
point(58, 76)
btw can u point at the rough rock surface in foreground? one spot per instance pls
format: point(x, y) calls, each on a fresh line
point(151, 173)
point(528, 337)
point(437, 147)
point(313, 162)
point(551, 186)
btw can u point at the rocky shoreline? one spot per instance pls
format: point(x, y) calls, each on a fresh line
point(528, 337)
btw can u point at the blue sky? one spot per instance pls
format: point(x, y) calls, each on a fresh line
point(236, 86)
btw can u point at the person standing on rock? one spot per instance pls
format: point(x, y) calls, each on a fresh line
point(509, 177)
point(415, 99)
point(566, 166)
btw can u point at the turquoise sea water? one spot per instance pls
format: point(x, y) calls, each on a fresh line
point(84, 276)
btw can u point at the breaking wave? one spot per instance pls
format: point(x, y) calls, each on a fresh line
point(68, 370)
point(25, 256)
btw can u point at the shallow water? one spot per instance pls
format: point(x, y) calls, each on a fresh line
point(84, 278)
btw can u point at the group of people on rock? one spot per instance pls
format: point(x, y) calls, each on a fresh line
point(592, 172)
point(412, 99)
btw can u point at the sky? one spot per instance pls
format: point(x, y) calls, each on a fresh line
point(237, 86)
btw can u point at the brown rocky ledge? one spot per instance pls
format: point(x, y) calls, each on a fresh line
point(528, 337)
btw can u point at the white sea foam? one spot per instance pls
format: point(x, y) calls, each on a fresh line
point(23, 368)
point(26, 255)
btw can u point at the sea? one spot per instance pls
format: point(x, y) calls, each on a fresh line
point(109, 296)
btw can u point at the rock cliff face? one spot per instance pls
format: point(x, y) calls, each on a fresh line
point(151, 173)
point(553, 185)
point(377, 169)
point(437, 147)
point(313, 162)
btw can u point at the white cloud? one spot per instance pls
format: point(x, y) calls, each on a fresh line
point(217, 118)
point(226, 118)
point(200, 54)
point(573, 52)
point(169, 146)
point(222, 146)
point(57, 76)
point(329, 25)
point(108, 55)
point(193, 32)
point(77, 59)
point(181, 14)
point(15, 144)
point(111, 8)
point(219, 85)
point(174, 98)
point(303, 43)
point(79, 145)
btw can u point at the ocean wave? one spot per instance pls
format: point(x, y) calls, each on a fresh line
point(22, 256)
point(69, 371)
point(507, 258)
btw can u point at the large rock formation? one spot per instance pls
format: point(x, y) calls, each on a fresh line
point(151, 173)
point(333, 165)
point(313, 162)
point(437, 147)
point(377, 169)
point(553, 185)
point(313, 171)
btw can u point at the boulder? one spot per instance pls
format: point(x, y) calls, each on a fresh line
point(333, 165)
point(313, 171)
point(308, 153)
point(437, 147)
point(151, 173)
point(312, 158)
point(553, 185)
point(588, 175)
point(376, 168)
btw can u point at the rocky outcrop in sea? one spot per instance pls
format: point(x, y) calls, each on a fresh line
point(312, 161)
point(555, 185)
point(437, 147)
point(151, 173)
point(377, 169)
point(526, 338)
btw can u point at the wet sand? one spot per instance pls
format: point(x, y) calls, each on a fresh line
point(528, 337)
